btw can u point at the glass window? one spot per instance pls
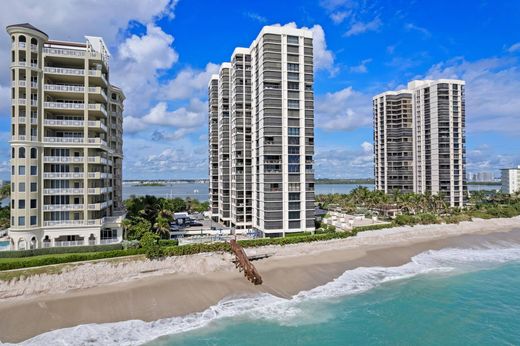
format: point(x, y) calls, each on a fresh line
point(21, 204)
point(293, 39)
point(21, 170)
point(33, 220)
point(293, 67)
point(293, 76)
point(12, 170)
point(294, 196)
point(34, 152)
point(294, 214)
point(294, 131)
point(294, 150)
point(293, 85)
point(21, 187)
point(34, 187)
point(21, 153)
point(21, 220)
point(33, 203)
point(34, 170)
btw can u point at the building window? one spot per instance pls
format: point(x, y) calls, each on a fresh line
point(293, 76)
point(13, 203)
point(12, 187)
point(293, 39)
point(294, 131)
point(33, 203)
point(21, 204)
point(12, 170)
point(293, 67)
point(21, 170)
point(294, 215)
point(293, 103)
point(34, 170)
point(293, 85)
point(34, 187)
point(21, 153)
point(294, 140)
point(33, 220)
point(21, 220)
point(21, 187)
point(34, 153)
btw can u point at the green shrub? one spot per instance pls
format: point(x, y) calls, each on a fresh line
point(59, 250)
point(427, 219)
point(168, 242)
point(150, 245)
point(36, 261)
point(402, 220)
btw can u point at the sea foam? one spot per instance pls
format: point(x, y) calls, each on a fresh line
point(279, 310)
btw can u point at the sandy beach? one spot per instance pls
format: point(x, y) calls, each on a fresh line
point(151, 290)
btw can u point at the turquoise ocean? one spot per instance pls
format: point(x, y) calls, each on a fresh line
point(451, 296)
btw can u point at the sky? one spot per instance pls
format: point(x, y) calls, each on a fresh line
point(163, 53)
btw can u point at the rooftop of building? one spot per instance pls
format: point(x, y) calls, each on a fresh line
point(26, 26)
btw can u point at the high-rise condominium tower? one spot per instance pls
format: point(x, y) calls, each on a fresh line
point(66, 142)
point(393, 141)
point(438, 137)
point(271, 134)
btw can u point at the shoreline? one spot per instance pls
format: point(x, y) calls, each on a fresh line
point(170, 292)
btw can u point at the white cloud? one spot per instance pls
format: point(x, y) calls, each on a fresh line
point(412, 27)
point(323, 57)
point(189, 83)
point(361, 68)
point(343, 110)
point(514, 48)
point(339, 16)
point(492, 85)
point(139, 61)
point(191, 118)
point(255, 16)
point(359, 27)
point(345, 162)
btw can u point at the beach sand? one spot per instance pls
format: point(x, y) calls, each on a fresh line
point(151, 290)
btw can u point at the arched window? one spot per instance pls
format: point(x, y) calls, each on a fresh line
point(12, 38)
point(21, 38)
point(21, 153)
point(34, 152)
point(34, 41)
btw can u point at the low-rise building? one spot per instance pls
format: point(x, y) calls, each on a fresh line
point(511, 180)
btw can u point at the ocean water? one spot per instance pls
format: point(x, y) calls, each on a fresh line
point(200, 191)
point(442, 297)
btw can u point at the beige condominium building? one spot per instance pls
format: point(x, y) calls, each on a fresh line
point(438, 139)
point(66, 142)
point(271, 134)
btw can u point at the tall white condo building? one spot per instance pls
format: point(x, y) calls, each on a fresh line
point(420, 140)
point(264, 135)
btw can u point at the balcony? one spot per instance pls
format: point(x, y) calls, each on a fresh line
point(64, 71)
point(99, 190)
point(99, 175)
point(22, 64)
point(65, 191)
point(98, 159)
point(68, 140)
point(99, 206)
point(98, 74)
point(64, 105)
point(61, 175)
point(97, 141)
point(98, 107)
point(23, 84)
point(63, 207)
point(63, 159)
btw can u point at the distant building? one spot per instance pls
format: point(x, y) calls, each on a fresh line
point(435, 125)
point(511, 180)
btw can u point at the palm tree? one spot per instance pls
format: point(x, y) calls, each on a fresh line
point(162, 226)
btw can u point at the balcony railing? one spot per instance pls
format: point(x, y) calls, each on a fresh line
point(64, 105)
point(59, 175)
point(66, 71)
point(57, 122)
point(70, 140)
point(63, 159)
point(66, 191)
point(63, 207)
point(64, 88)
point(64, 52)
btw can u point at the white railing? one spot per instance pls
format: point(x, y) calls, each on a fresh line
point(97, 107)
point(64, 222)
point(64, 105)
point(34, 121)
point(19, 45)
point(20, 138)
point(22, 102)
point(69, 243)
point(66, 88)
point(63, 191)
point(63, 207)
point(68, 71)
point(63, 175)
point(56, 122)
point(64, 52)
point(97, 141)
point(109, 241)
point(34, 102)
point(97, 206)
point(63, 139)
point(77, 159)
point(99, 190)
point(97, 124)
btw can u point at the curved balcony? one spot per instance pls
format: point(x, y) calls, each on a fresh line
point(63, 207)
point(63, 191)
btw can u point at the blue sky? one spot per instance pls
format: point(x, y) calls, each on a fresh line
point(163, 53)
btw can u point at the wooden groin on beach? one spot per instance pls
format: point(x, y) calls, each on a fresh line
point(243, 263)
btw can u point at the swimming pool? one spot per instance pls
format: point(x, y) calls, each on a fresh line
point(5, 245)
